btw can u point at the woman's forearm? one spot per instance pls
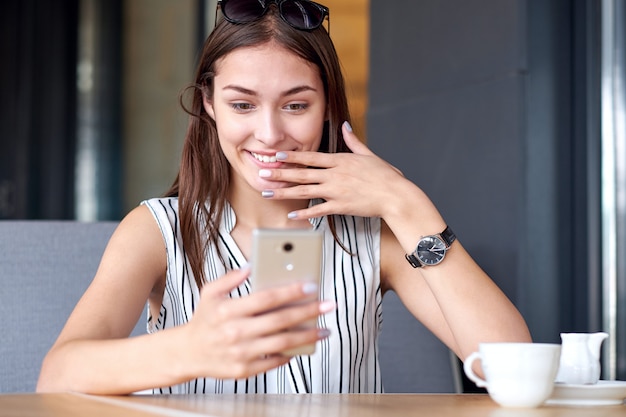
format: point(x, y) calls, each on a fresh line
point(118, 366)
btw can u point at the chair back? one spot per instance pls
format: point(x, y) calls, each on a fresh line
point(45, 266)
point(411, 358)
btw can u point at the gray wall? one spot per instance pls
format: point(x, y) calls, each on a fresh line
point(471, 100)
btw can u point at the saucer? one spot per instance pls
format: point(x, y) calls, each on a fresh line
point(602, 393)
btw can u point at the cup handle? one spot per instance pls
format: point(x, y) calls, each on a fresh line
point(467, 367)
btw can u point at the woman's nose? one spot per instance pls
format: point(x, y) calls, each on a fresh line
point(269, 129)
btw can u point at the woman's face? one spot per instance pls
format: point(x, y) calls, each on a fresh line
point(266, 99)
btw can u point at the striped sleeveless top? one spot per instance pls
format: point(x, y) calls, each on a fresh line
point(345, 362)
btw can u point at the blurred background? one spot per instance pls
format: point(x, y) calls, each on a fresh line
point(510, 114)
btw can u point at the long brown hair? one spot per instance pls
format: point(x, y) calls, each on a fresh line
point(204, 174)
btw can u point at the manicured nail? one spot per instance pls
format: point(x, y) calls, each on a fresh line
point(281, 156)
point(292, 215)
point(327, 306)
point(309, 288)
point(265, 173)
point(323, 333)
point(267, 193)
point(347, 126)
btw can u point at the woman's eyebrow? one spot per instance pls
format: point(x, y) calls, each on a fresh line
point(298, 89)
point(291, 91)
point(239, 89)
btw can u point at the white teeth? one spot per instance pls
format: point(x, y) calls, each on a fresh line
point(264, 158)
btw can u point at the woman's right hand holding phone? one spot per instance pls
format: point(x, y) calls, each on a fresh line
point(239, 337)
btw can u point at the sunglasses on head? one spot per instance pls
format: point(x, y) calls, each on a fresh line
point(299, 14)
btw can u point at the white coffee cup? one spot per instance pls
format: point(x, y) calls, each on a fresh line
point(516, 374)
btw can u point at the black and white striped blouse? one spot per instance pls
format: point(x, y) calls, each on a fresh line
point(345, 362)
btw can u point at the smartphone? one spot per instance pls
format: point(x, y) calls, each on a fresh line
point(283, 256)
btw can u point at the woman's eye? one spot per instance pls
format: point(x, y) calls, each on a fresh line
point(242, 106)
point(296, 106)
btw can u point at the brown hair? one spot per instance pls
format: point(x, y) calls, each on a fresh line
point(204, 174)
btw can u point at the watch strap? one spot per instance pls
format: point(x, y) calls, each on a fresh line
point(448, 236)
point(415, 263)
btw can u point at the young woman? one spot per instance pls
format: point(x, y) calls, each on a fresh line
point(269, 145)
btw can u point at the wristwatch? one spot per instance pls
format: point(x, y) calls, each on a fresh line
point(431, 249)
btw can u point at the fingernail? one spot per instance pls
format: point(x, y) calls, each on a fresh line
point(327, 306)
point(292, 215)
point(267, 193)
point(265, 173)
point(309, 288)
point(323, 333)
point(280, 156)
point(347, 126)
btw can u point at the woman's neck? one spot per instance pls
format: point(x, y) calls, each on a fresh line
point(253, 211)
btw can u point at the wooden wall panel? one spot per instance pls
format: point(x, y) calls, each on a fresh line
point(349, 29)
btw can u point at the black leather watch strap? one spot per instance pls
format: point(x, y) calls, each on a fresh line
point(448, 236)
point(415, 263)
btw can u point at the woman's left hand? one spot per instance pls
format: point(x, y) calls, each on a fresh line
point(358, 183)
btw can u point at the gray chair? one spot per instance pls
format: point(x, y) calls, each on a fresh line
point(45, 266)
point(435, 370)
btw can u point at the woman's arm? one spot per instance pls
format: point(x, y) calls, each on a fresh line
point(456, 300)
point(93, 346)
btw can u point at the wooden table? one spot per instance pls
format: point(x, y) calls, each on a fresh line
point(305, 405)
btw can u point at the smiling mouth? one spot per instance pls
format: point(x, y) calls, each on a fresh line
point(264, 158)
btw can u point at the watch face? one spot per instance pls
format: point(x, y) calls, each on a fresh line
point(431, 250)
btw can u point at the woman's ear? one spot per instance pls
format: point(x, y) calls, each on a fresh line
point(208, 107)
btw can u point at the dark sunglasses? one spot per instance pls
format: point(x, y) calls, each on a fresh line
point(299, 14)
